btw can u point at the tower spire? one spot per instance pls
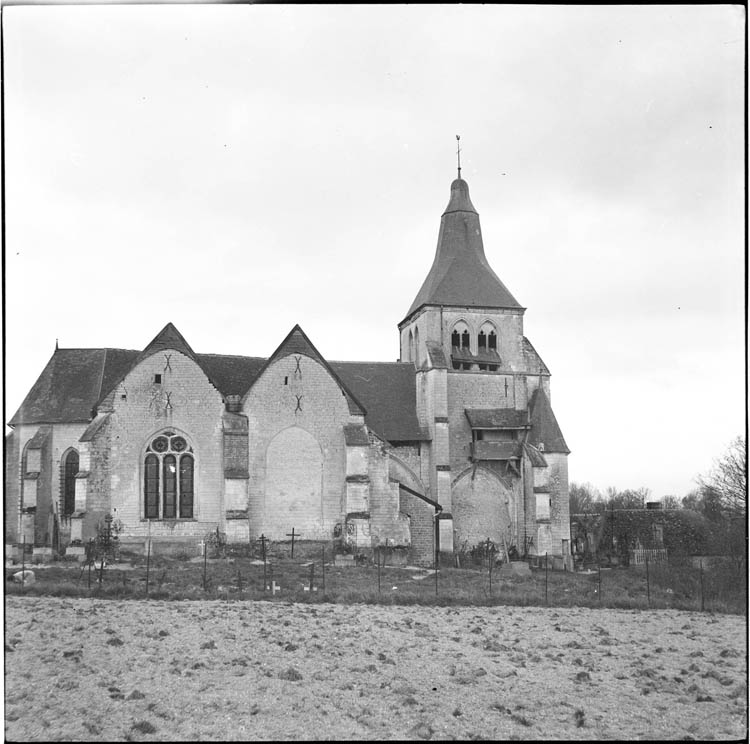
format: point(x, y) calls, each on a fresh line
point(458, 153)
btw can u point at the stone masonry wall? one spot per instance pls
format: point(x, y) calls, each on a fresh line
point(12, 460)
point(482, 508)
point(185, 402)
point(309, 400)
point(559, 500)
point(471, 390)
point(421, 522)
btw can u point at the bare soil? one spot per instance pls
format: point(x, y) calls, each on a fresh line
point(110, 670)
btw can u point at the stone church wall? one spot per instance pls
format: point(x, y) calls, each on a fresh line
point(508, 325)
point(559, 503)
point(482, 508)
point(184, 401)
point(421, 525)
point(291, 473)
point(471, 390)
point(12, 459)
point(64, 437)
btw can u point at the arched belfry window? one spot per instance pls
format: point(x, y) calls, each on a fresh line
point(168, 470)
point(487, 338)
point(461, 336)
point(461, 354)
point(69, 466)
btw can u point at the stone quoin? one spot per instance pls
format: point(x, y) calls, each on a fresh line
point(454, 444)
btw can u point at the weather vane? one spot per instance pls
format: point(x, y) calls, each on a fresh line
point(458, 154)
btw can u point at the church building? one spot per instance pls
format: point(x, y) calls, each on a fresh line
point(454, 444)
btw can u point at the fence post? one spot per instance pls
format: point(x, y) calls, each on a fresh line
point(435, 553)
point(148, 561)
point(600, 580)
point(648, 584)
point(378, 557)
point(703, 605)
point(323, 566)
point(205, 560)
point(546, 564)
point(23, 563)
point(491, 561)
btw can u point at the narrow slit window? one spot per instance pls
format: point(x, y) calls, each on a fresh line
point(492, 340)
point(482, 340)
point(70, 470)
point(465, 340)
point(456, 339)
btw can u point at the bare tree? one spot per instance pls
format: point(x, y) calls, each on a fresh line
point(727, 480)
point(584, 498)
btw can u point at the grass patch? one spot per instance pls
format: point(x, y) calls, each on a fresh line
point(671, 586)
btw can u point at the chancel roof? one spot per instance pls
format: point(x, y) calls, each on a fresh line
point(460, 274)
point(76, 380)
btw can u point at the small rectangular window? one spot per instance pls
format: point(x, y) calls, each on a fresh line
point(157, 379)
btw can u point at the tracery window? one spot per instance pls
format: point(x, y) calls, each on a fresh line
point(168, 470)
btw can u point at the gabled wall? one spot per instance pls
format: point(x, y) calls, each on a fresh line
point(185, 401)
point(297, 451)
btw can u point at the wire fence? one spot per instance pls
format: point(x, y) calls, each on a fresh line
point(297, 571)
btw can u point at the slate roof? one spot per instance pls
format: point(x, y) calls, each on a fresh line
point(460, 273)
point(75, 380)
point(534, 362)
point(497, 418)
point(71, 384)
point(544, 427)
point(388, 392)
point(536, 457)
point(231, 375)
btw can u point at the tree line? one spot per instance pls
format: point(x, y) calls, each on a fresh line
point(720, 495)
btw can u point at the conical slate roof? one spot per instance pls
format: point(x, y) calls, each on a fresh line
point(460, 273)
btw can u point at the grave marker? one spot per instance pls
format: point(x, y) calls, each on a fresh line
point(293, 535)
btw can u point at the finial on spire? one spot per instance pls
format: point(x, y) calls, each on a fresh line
point(56, 346)
point(458, 153)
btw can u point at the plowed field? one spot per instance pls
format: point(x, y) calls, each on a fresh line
point(88, 669)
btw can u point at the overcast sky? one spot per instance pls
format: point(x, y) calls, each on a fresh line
point(239, 169)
